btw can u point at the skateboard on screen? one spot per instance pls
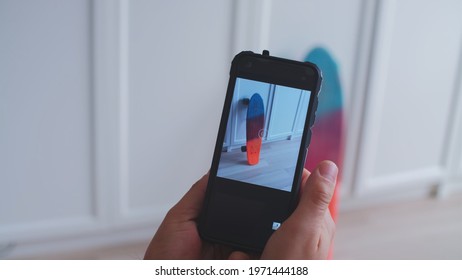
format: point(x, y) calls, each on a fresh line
point(255, 122)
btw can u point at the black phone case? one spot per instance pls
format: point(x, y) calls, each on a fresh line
point(222, 130)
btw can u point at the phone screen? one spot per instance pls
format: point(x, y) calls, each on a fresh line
point(263, 134)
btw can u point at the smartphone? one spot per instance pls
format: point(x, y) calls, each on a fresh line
point(262, 142)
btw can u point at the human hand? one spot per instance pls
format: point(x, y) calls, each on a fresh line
point(306, 234)
point(309, 231)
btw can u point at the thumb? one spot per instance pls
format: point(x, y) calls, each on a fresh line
point(317, 193)
point(306, 234)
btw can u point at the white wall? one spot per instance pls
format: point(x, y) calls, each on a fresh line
point(46, 168)
point(109, 109)
point(410, 113)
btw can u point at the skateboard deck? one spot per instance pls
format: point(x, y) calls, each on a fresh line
point(254, 128)
point(327, 142)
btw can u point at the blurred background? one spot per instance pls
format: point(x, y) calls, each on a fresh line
point(109, 111)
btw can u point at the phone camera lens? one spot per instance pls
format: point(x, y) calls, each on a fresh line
point(248, 64)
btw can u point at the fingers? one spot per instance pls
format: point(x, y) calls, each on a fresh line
point(305, 176)
point(190, 205)
point(316, 194)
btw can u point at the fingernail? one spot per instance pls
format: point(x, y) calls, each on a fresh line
point(328, 170)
